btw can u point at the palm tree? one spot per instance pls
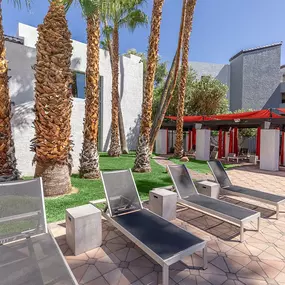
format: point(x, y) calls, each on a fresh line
point(122, 14)
point(142, 162)
point(8, 162)
point(170, 84)
point(89, 159)
point(190, 6)
point(107, 45)
point(53, 101)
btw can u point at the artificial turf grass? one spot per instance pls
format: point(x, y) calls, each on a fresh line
point(199, 165)
point(93, 189)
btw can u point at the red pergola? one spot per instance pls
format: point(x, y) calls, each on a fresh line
point(233, 132)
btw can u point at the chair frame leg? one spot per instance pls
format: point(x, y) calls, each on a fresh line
point(205, 258)
point(241, 232)
point(165, 274)
point(258, 224)
point(277, 212)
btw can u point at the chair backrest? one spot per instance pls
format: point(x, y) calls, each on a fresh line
point(121, 192)
point(22, 210)
point(219, 173)
point(182, 181)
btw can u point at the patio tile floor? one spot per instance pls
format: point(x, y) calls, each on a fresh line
point(260, 260)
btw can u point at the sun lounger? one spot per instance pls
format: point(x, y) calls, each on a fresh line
point(189, 196)
point(29, 254)
point(161, 240)
point(222, 178)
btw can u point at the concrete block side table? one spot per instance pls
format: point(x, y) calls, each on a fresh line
point(83, 228)
point(163, 203)
point(208, 188)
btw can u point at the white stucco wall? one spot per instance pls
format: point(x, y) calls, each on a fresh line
point(21, 59)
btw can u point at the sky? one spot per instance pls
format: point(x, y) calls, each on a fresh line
point(221, 28)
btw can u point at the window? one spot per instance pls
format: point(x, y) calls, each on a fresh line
point(78, 86)
point(283, 98)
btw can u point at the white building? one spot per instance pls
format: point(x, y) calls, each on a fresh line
point(21, 54)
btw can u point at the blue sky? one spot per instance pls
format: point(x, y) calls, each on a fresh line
point(221, 27)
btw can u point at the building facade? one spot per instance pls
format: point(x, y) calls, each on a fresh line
point(253, 76)
point(21, 54)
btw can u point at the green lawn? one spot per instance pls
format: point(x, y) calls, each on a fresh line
point(93, 189)
point(198, 165)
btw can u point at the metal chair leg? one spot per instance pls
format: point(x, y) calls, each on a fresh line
point(277, 212)
point(205, 258)
point(241, 232)
point(258, 223)
point(165, 274)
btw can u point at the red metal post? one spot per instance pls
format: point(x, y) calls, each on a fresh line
point(194, 138)
point(282, 149)
point(258, 142)
point(189, 140)
point(236, 141)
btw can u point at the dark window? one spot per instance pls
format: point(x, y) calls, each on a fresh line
point(283, 98)
point(78, 86)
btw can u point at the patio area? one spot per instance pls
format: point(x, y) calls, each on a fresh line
point(260, 260)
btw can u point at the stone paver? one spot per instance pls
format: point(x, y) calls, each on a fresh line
point(260, 260)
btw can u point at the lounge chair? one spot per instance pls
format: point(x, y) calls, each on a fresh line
point(189, 196)
point(222, 178)
point(29, 254)
point(161, 240)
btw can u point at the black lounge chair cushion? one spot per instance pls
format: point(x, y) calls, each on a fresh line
point(33, 261)
point(255, 193)
point(161, 236)
point(222, 207)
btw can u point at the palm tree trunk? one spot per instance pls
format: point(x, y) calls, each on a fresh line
point(115, 149)
point(190, 6)
point(167, 94)
point(142, 162)
point(53, 101)
point(124, 145)
point(89, 160)
point(8, 162)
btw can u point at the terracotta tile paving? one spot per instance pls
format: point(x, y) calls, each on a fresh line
point(260, 260)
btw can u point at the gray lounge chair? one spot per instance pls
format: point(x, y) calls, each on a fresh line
point(189, 196)
point(223, 179)
point(29, 254)
point(163, 241)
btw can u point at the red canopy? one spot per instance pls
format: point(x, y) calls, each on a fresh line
point(262, 114)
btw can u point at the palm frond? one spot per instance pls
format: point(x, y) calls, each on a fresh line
point(134, 19)
point(18, 3)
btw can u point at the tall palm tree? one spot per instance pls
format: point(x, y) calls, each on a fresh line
point(142, 162)
point(122, 14)
point(190, 6)
point(169, 85)
point(89, 159)
point(107, 44)
point(53, 101)
point(8, 162)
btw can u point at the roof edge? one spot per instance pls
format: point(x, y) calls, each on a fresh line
point(255, 49)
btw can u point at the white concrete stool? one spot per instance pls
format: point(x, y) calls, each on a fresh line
point(83, 228)
point(208, 188)
point(163, 203)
